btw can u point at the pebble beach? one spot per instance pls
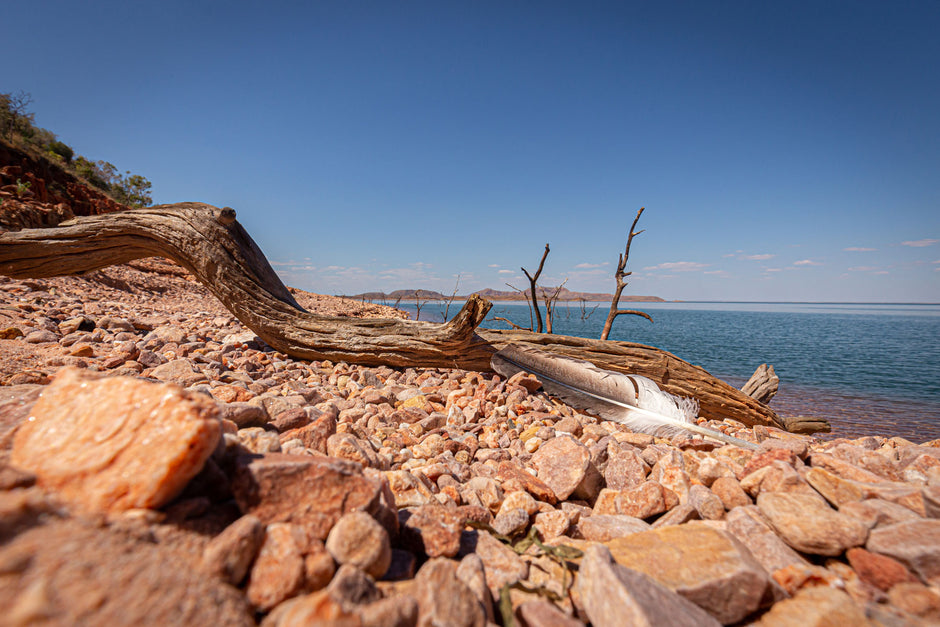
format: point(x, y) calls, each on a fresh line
point(159, 464)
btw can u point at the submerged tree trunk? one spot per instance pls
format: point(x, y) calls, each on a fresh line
point(213, 246)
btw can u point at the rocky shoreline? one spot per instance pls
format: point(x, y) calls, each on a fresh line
point(159, 464)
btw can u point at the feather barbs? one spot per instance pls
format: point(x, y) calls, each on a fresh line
point(629, 399)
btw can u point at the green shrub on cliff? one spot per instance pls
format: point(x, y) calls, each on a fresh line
point(61, 149)
point(16, 125)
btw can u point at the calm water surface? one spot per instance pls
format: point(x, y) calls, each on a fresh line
point(870, 369)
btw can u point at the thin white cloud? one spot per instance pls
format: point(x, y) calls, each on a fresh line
point(762, 257)
point(772, 270)
point(718, 273)
point(493, 265)
point(806, 262)
point(591, 265)
point(859, 249)
point(679, 266)
point(920, 243)
point(294, 266)
point(505, 272)
point(418, 271)
point(882, 272)
point(863, 269)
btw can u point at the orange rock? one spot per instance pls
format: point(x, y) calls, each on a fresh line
point(231, 394)
point(117, 443)
point(880, 571)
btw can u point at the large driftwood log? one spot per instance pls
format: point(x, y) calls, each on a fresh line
point(213, 246)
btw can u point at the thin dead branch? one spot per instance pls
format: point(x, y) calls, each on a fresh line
point(533, 289)
point(452, 297)
point(550, 304)
point(528, 302)
point(510, 323)
point(621, 276)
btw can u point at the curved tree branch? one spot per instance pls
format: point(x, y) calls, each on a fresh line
point(211, 244)
point(214, 247)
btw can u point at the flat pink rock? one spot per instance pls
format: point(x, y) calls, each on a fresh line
point(112, 444)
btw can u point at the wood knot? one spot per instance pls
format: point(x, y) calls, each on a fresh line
point(226, 216)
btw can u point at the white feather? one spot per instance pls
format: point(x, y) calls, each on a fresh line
point(633, 400)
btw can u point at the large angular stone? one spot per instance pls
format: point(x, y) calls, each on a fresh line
point(396, 611)
point(309, 491)
point(704, 565)
point(473, 574)
point(641, 501)
point(752, 530)
point(179, 371)
point(509, 472)
point(625, 469)
point(501, 564)
point(916, 544)
point(604, 527)
point(318, 609)
point(819, 606)
point(878, 512)
point(708, 506)
point(117, 443)
point(809, 525)
point(543, 614)
point(409, 490)
point(358, 539)
point(16, 401)
point(443, 599)
point(837, 490)
point(278, 572)
point(435, 530)
point(878, 570)
point(670, 473)
point(230, 554)
point(564, 464)
point(316, 434)
point(730, 492)
point(75, 573)
point(552, 524)
point(613, 595)
point(777, 477)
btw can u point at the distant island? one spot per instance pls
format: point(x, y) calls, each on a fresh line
point(564, 294)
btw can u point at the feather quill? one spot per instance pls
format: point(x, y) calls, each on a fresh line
point(632, 400)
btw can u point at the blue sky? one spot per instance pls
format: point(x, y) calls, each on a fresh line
point(783, 151)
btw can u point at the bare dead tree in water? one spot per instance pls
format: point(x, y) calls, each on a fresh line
point(528, 302)
point(418, 304)
point(550, 303)
point(452, 297)
point(533, 289)
point(585, 314)
point(620, 276)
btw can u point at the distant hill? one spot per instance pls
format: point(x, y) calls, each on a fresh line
point(404, 295)
point(490, 294)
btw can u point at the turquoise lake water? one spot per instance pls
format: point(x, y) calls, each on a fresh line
point(870, 369)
